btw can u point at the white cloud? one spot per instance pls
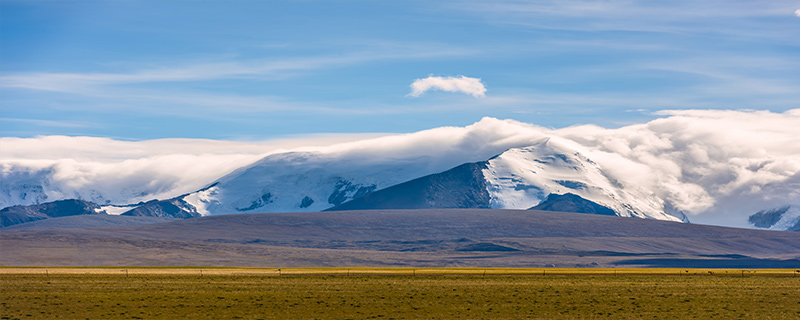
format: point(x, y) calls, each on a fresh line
point(719, 165)
point(797, 12)
point(471, 86)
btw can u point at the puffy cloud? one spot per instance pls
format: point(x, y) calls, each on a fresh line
point(718, 165)
point(471, 86)
point(797, 12)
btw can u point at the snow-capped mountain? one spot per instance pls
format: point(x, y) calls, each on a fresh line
point(24, 186)
point(520, 178)
point(783, 218)
point(683, 162)
point(301, 181)
point(32, 185)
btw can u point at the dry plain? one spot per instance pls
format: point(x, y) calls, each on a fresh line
point(397, 293)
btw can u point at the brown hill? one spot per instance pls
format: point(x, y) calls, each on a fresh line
point(424, 238)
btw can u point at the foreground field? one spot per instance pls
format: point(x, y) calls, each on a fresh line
point(396, 293)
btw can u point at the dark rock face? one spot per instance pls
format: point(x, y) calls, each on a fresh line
point(265, 199)
point(767, 218)
point(306, 202)
point(62, 208)
point(569, 202)
point(344, 187)
point(461, 187)
point(172, 208)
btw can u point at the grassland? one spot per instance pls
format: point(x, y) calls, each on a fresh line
point(397, 293)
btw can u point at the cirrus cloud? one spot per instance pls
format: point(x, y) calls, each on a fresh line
point(471, 86)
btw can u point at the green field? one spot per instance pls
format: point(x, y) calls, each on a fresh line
point(401, 293)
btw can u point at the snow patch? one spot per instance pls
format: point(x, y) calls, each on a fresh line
point(200, 200)
point(113, 210)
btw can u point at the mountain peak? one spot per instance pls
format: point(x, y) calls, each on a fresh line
point(522, 178)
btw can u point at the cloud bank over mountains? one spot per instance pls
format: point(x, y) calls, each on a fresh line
point(717, 166)
point(132, 171)
point(708, 163)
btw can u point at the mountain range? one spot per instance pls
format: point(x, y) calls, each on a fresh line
point(546, 175)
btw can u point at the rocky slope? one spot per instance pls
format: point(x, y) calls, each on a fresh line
point(783, 218)
point(62, 208)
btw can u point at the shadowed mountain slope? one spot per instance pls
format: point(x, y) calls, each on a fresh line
point(62, 208)
point(461, 187)
point(172, 208)
point(569, 202)
point(783, 218)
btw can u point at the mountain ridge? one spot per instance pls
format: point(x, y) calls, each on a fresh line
point(60, 208)
point(570, 202)
point(517, 178)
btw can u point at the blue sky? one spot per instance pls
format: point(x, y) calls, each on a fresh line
point(250, 70)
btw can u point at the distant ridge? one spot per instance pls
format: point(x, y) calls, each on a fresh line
point(62, 208)
point(172, 208)
point(569, 202)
